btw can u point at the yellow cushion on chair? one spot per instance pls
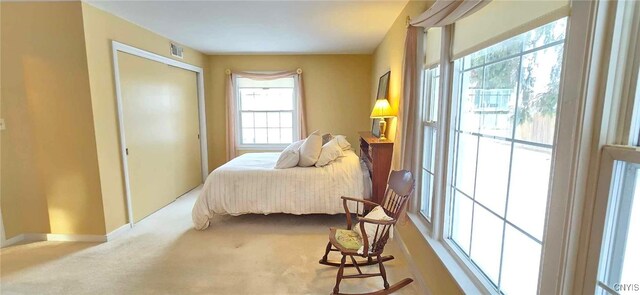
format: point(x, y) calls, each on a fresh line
point(348, 239)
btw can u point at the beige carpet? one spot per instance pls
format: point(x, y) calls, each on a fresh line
point(163, 254)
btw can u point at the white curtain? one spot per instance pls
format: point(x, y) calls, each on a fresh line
point(440, 14)
point(232, 103)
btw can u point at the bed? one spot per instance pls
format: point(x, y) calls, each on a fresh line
point(250, 184)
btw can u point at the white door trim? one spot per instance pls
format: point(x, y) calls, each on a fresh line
point(117, 46)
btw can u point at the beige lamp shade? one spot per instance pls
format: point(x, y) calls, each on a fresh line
point(382, 109)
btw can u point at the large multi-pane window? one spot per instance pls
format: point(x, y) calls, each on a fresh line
point(503, 139)
point(266, 111)
point(429, 130)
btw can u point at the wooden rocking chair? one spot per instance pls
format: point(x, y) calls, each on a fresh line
point(348, 242)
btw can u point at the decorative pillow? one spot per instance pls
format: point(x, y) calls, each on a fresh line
point(290, 156)
point(376, 214)
point(310, 150)
point(342, 141)
point(326, 138)
point(329, 152)
point(348, 239)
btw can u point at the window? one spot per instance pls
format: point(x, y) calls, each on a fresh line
point(619, 270)
point(613, 216)
point(502, 144)
point(429, 130)
point(266, 112)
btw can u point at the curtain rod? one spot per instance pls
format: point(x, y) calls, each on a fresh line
point(228, 71)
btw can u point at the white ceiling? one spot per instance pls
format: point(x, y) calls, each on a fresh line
point(259, 27)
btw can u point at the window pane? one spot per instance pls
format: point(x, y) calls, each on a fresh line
point(286, 119)
point(280, 99)
point(273, 120)
point(493, 174)
point(631, 264)
point(529, 188)
point(504, 49)
point(274, 135)
point(461, 227)
point(536, 113)
point(495, 103)
point(544, 35)
point(473, 60)
point(247, 120)
point(261, 135)
point(266, 99)
point(428, 153)
point(466, 163)
point(486, 242)
point(471, 92)
point(496, 52)
point(427, 192)
point(433, 150)
point(520, 263)
point(286, 135)
point(620, 258)
point(247, 135)
point(435, 92)
point(260, 119)
point(249, 99)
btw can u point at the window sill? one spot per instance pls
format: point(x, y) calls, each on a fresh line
point(468, 283)
point(266, 147)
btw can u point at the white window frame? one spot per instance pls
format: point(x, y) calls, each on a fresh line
point(261, 146)
point(619, 124)
point(575, 124)
point(427, 122)
point(603, 204)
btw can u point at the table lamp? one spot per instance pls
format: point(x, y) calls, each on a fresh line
point(382, 110)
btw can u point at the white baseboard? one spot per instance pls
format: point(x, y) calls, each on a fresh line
point(118, 232)
point(74, 238)
point(28, 238)
point(32, 237)
point(411, 263)
point(17, 239)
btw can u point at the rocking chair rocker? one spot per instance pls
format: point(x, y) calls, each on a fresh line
point(350, 243)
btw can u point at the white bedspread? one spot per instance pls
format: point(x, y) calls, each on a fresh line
point(250, 184)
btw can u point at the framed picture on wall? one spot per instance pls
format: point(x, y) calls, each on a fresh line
point(383, 86)
point(375, 127)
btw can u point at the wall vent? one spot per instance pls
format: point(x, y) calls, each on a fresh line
point(176, 50)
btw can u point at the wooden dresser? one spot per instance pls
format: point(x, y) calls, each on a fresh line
point(376, 155)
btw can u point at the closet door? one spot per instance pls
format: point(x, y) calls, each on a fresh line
point(160, 112)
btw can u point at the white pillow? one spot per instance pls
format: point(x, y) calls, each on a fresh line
point(342, 141)
point(290, 156)
point(329, 152)
point(310, 150)
point(376, 214)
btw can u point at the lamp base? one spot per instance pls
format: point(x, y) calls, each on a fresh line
point(383, 127)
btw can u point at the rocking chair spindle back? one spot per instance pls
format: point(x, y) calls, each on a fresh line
point(399, 188)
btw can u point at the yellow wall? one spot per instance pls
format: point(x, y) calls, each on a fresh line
point(388, 56)
point(337, 90)
point(50, 181)
point(99, 29)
